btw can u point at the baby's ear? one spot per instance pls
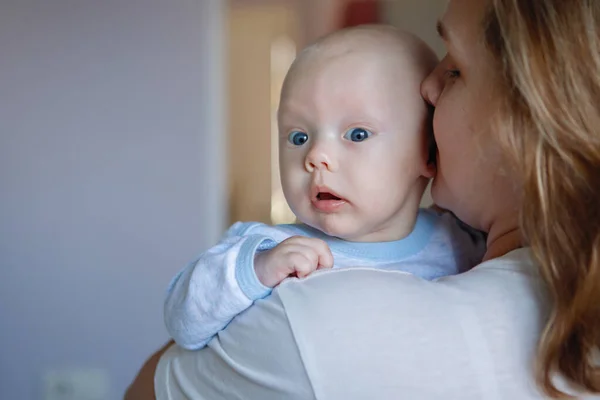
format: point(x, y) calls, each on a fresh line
point(429, 169)
point(430, 157)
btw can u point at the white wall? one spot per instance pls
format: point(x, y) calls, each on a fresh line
point(319, 17)
point(111, 177)
point(417, 16)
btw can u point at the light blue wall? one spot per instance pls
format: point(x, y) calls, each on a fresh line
point(112, 177)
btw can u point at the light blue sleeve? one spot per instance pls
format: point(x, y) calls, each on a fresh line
point(206, 295)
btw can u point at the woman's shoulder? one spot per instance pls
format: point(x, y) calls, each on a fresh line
point(362, 288)
point(473, 334)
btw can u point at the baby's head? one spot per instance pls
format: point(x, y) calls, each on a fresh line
point(354, 133)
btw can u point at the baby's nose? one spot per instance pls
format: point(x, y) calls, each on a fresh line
point(317, 159)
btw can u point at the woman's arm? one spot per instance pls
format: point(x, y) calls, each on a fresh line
point(255, 357)
point(142, 387)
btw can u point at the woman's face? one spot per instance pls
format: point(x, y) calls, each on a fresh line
point(472, 180)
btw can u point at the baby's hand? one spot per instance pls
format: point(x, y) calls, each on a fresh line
point(297, 256)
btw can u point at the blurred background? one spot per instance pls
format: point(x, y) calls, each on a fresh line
point(132, 133)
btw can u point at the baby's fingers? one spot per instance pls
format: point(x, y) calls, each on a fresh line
point(314, 249)
point(302, 264)
point(325, 257)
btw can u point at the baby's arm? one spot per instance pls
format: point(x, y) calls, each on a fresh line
point(204, 297)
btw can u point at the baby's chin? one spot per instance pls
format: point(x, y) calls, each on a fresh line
point(336, 225)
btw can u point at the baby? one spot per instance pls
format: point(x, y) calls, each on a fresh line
point(354, 141)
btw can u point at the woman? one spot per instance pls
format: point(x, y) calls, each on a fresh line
point(515, 116)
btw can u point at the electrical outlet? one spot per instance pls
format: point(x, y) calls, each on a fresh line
point(76, 384)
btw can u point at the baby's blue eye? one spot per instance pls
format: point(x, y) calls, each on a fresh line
point(357, 134)
point(298, 138)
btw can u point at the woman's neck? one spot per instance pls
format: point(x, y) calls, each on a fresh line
point(503, 238)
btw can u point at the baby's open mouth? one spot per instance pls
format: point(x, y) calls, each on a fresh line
point(326, 201)
point(327, 196)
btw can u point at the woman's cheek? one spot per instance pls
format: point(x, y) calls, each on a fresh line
point(448, 119)
point(440, 127)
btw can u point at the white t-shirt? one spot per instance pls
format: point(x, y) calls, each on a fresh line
point(372, 334)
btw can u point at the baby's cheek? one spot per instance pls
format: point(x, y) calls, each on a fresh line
point(378, 205)
point(375, 193)
point(390, 187)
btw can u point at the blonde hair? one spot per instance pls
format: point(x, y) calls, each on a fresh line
point(548, 55)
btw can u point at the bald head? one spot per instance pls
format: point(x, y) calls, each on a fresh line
point(400, 53)
point(371, 37)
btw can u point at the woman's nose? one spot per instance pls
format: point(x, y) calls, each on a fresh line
point(432, 87)
point(320, 158)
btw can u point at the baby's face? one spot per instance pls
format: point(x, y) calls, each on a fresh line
point(353, 147)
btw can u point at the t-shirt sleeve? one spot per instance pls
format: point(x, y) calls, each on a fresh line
point(254, 358)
